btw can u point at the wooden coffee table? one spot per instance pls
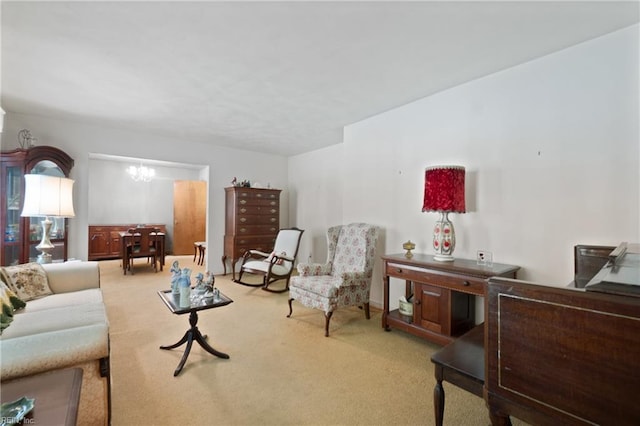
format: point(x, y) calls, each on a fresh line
point(172, 302)
point(56, 393)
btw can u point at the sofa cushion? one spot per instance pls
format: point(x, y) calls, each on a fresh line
point(40, 352)
point(61, 300)
point(28, 281)
point(72, 276)
point(55, 319)
point(9, 304)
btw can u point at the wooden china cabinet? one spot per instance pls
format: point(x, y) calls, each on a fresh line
point(21, 235)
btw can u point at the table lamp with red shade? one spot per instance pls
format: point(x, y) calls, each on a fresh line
point(444, 193)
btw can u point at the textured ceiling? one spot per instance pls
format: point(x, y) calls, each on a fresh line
point(275, 77)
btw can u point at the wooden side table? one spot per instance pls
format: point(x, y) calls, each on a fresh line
point(57, 395)
point(193, 333)
point(460, 363)
point(443, 294)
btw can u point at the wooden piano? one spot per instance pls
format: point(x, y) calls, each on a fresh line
point(565, 355)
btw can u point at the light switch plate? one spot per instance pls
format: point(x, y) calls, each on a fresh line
point(484, 258)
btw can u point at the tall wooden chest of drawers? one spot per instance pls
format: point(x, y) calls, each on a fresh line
point(252, 222)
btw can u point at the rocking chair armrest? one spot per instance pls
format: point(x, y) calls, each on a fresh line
point(314, 269)
point(256, 253)
point(280, 257)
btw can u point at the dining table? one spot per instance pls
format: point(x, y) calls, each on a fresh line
point(127, 238)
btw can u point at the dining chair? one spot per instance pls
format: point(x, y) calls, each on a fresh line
point(199, 249)
point(143, 244)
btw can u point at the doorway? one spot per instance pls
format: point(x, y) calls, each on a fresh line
point(189, 214)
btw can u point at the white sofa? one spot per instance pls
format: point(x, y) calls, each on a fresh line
point(66, 329)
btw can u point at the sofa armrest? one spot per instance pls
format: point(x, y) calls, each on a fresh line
point(72, 276)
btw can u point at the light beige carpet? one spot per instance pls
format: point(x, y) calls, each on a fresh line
point(282, 371)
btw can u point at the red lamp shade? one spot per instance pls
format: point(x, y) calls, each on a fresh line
point(444, 189)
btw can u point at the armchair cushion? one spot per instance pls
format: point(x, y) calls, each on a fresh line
point(354, 278)
point(314, 269)
point(321, 285)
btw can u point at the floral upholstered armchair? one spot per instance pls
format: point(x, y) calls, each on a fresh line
point(345, 279)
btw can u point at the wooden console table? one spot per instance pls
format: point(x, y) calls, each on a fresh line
point(105, 243)
point(443, 294)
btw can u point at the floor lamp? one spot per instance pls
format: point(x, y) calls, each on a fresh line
point(47, 197)
point(444, 193)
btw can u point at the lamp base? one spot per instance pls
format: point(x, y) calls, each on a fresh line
point(444, 238)
point(443, 257)
point(45, 245)
point(44, 258)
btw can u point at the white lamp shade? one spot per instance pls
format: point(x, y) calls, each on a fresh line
point(48, 196)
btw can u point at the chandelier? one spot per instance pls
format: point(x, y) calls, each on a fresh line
point(141, 173)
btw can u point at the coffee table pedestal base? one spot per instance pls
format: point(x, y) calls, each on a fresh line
point(193, 334)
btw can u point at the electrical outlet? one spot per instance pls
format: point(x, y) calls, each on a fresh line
point(484, 258)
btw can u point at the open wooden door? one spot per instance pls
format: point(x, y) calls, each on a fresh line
point(189, 214)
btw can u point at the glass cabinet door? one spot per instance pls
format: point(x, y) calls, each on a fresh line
point(34, 224)
point(56, 236)
point(12, 205)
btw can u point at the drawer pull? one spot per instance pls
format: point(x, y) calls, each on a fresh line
point(243, 210)
point(259, 195)
point(273, 203)
point(243, 201)
point(273, 219)
point(398, 270)
point(466, 283)
point(243, 219)
point(243, 230)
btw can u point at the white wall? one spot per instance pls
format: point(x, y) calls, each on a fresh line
point(128, 201)
point(316, 201)
point(552, 156)
point(80, 140)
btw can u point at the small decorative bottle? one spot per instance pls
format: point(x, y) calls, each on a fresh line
point(185, 288)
